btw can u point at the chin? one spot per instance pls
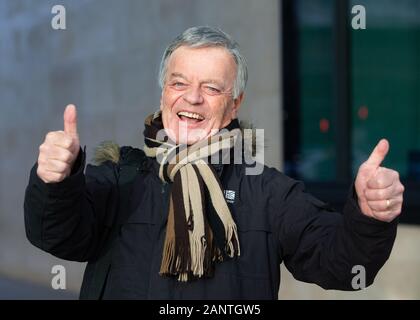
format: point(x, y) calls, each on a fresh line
point(190, 139)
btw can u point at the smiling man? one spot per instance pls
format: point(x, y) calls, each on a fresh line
point(197, 104)
point(167, 222)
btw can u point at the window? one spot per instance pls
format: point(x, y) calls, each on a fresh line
point(345, 89)
point(386, 84)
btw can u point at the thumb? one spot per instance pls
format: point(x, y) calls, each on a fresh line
point(379, 153)
point(70, 120)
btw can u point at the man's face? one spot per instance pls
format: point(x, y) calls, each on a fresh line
point(197, 98)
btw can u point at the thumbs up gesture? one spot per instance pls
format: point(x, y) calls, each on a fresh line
point(379, 190)
point(59, 150)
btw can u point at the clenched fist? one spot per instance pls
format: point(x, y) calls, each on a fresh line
point(379, 189)
point(59, 150)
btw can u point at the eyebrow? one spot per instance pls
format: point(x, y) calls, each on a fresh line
point(213, 82)
point(180, 75)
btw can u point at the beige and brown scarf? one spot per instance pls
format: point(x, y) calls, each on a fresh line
point(200, 230)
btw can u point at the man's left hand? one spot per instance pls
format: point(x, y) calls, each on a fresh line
point(379, 190)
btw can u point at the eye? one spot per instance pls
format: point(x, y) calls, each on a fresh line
point(178, 85)
point(212, 90)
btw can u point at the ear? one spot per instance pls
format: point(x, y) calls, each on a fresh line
point(161, 104)
point(236, 105)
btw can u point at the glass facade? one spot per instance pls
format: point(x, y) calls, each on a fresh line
point(317, 160)
point(383, 87)
point(385, 82)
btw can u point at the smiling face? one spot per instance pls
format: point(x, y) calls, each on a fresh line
point(197, 98)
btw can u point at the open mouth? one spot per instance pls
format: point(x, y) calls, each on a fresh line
point(190, 116)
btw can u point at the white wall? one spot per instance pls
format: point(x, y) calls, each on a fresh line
point(398, 279)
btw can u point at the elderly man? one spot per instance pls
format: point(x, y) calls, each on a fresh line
point(155, 223)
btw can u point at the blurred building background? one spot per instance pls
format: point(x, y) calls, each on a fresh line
point(324, 93)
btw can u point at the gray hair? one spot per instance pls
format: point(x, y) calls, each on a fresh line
point(199, 37)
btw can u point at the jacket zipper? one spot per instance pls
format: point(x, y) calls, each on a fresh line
point(164, 187)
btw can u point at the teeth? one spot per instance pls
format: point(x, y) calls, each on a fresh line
point(190, 115)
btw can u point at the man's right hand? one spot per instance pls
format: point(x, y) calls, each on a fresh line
point(59, 150)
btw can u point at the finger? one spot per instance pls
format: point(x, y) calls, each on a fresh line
point(381, 205)
point(54, 136)
point(54, 151)
point(42, 160)
point(387, 216)
point(57, 166)
point(61, 154)
point(51, 177)
point(59, 138)
point(379, 153)
point(70, 120)
point(379, 194)
point(383, 178)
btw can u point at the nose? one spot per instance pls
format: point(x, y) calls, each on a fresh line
point(193, 96)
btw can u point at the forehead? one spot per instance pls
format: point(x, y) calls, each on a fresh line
point(207, 62)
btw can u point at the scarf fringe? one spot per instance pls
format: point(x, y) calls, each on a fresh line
point(168, 257)
point(175, 260)
point(198, 248)
point(232, 245)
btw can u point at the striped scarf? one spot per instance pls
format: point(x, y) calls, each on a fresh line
point(200, 229)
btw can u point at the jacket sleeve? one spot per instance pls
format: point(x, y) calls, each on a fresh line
point(69, 219)
point(321, 246)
